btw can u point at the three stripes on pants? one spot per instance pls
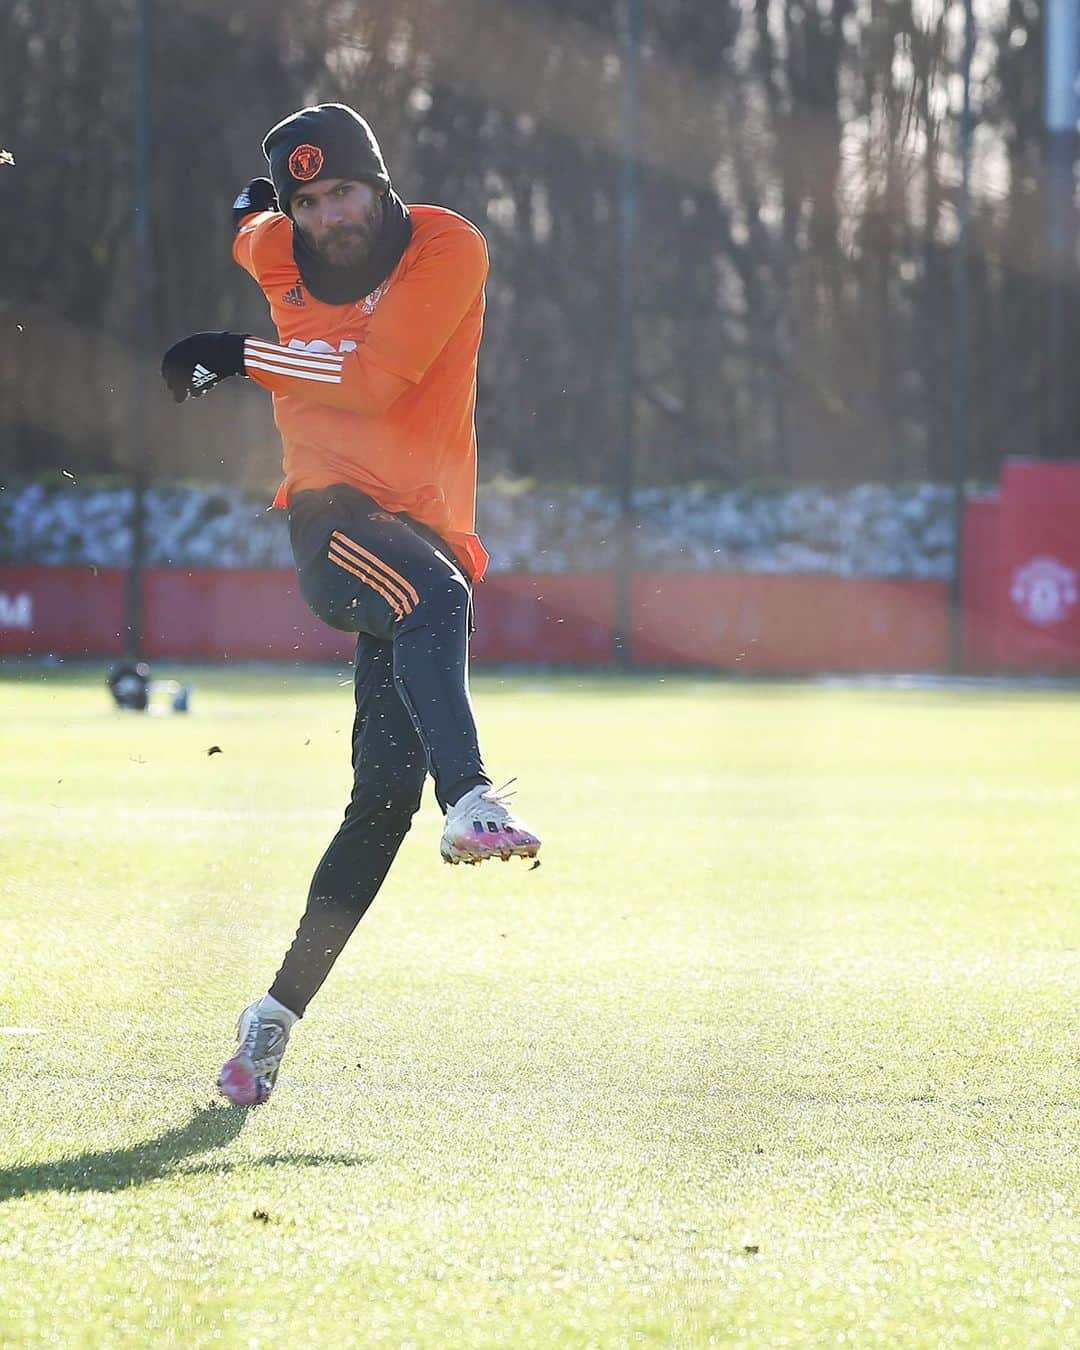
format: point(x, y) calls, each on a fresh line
point(352, 557)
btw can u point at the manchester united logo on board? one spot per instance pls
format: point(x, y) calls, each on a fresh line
point(1044, 591)
point(305, 163)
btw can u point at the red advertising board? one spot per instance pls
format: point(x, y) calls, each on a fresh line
point(1037, 566)
point(980, 581)
point(247, 615)
point(771, 623)
point(65, 611)
point(1021, 607)
point(1022, 570)
point(744, 622)
point(557, 618)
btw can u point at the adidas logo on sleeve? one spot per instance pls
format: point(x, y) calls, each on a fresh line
point(295, 296)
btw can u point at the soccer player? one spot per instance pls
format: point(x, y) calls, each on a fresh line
point(378, 308)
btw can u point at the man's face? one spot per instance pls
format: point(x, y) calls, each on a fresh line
point(339, 218)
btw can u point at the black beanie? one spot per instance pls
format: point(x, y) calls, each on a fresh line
point(330, 141)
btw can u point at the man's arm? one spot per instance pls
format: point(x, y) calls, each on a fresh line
point(194, 365)
point(348, 380)
point(255, 201)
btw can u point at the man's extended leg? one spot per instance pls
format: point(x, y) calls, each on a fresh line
point(363, 568)
point(389, 767)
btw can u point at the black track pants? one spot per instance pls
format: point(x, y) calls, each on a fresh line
point(369, 572)
point(398, 587)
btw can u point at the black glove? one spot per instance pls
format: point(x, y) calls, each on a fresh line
point(195, 364)
point(259, 195)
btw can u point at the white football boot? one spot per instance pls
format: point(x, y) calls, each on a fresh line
point(481, 826)
point(248, 1078)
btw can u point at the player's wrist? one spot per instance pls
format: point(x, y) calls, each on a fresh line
point(232, 352)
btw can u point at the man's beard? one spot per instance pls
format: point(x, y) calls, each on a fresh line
point(348, 245)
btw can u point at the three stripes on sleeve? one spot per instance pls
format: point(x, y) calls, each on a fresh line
point(323, 367)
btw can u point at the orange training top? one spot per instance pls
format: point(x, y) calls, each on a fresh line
point(379, 393)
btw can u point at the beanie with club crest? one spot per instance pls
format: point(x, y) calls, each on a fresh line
point(327, 141)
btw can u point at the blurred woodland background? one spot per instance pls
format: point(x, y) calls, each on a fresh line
point(798, 183)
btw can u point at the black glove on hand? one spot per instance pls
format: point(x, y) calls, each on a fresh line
point(195, 364)
point(259, 195)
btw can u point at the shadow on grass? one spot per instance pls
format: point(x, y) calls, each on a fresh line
point(210, 1127)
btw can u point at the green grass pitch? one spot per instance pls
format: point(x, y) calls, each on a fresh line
point(779, 1047)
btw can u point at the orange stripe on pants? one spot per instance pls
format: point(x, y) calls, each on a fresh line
point(368, 577)
point(407, 591)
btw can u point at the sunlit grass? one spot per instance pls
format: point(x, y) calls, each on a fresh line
point(780, 1043)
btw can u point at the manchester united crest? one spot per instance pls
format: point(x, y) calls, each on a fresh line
point(1044, 591)
point(305, 163)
